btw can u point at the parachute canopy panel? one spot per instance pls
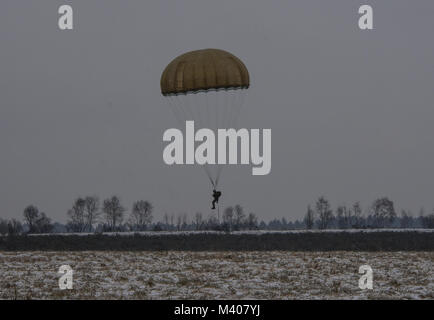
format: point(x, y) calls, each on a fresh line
point(205, 69)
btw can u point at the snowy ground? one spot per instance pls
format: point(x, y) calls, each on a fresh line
point(216, 275)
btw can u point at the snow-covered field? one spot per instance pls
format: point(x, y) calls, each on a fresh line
point(217, 275)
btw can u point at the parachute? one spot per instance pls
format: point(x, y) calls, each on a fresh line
point(207, 86)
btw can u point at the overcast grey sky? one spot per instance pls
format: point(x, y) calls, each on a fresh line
point(351, 111)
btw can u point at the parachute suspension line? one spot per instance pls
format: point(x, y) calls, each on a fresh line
point(216, 108)
point(235, 105)
point(180, 106)
point(229, 107)
point(174, 109)
point(194, 110)
point(234, 96)
point(210, 107)
point(222, 122)
point(226, 121)
point(242, 97)
point(208, 173)
point(182, 111)
point(183, 100)
point(207, 168)
point(189, 108)
point(225, 111)
point(207, 109)
point(236, 108)
point(213, 109)
point(199, 108)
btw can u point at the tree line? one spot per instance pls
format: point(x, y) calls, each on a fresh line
point(381, 214)
point(89, 214)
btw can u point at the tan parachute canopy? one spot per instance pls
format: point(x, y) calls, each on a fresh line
point(204, 70)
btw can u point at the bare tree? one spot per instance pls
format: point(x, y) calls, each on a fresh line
point(14, 227)
point(178, 221)
point(324, 212)
point(213, 222)
point(198, 220)
point(357, 215)
point(83, 214)
point(240, 217)
point(38, 222)
point(228, 217)
point(309, 218)
point(77, 220)
point(284, 223)
point(166, 219)
point(172, 220)
point(344, 217)
point(421, 212)
point(141, 215)
point(428, 221)
point(406, 219)
point(3, 227)
point(92, 213)
point(31, 214)
point(252, 221)
point(113, 211)
point(383, 212)
point(43, 224)
point(184, 218)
